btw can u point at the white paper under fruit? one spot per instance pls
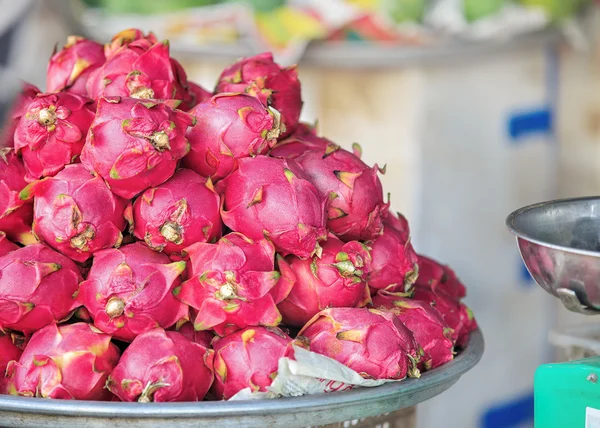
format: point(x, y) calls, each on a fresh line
point(310, 373)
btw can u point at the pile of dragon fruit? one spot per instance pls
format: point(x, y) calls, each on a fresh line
point(161, 242)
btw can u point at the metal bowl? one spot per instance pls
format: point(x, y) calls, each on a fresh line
point(560, 245)
point(284, 412)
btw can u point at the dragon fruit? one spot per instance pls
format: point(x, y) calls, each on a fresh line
point(273, 85)
point(135, 144)
point(203, 337)
point(399, 223)
point(228, 127)
point(130, 290)
point(302, 140)
point(230, 284)
point(426, 324)
point(355, 194)
point(140, 67)
point(76, 213)
point(336, 279)
point(371, 342)
point(5, 245)
point(162, 366)
point(16, 215)
point(264, 198)
point(8, 352)
point(394, 265)
point(70, 68)
point(71, 361)
point(437, 276)
point(38, 286)
point(52, 132)
point(248, 358)
point(26, 95)
point(198, 94)
point(178, 213)
point(455, 314)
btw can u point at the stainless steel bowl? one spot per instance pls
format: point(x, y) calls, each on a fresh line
point(309, 410)
point(560, 245)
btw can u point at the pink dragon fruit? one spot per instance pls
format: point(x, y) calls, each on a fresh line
point(16, 215)
point(273, 85)
point(37, 287)
point(399, 223)
point(8, 352)
point(248, 358)
point(264, 198)
point(135, 144)
point(6, 246)
point(371, 342)
point(394, 265)
point(130, 290)
point(203, 337)
point(76, 213)
point(138, 66)
point(178, 213)
point(356, 206)
point(70, 68)
point(71, 361)
point(437, 276)
point(302, 140)
point(52, 132)
point(228, 127)
point(26, 95)
point(426, 324)
point(231, 284)
point(456, 314)
point(162, 366)
point(336, 279)
point(198, 94)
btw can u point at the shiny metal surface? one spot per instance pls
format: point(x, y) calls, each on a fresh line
point(560, 245)
point(285, 412)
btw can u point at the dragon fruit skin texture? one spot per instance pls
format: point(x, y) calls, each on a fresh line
point(305, 138)
point(264, 198)
point(178, 213)
point(8, 352)
point(70, 68)
point(130, 290)
point(16, 215)
point(228, 127)
point(455, 314)
point(232, 284)
point(52, 132)
point(336, 279)
point(203, 337)
point(437, 276)
point(76, 213)
point(273, 85)
point(373, 343)
point(162, 366)
point(198, 93)
point(37, 287)
point(6, 246)
point(71, 361)
point(135, 144)
point(25, 96)
point(248, 358)
point(138, 67)
point(426, 324)
point(354, 192)
point(394, 265)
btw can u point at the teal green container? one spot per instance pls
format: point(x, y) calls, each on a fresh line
point(568, 394)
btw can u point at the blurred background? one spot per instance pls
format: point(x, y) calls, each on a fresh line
point(478, 107)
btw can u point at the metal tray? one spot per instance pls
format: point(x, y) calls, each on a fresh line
point(559, 242)
point(284, 412)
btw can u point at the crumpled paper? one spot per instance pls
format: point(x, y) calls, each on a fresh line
point(310, 373)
